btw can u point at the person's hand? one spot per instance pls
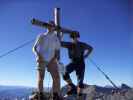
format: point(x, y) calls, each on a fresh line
point(58, 28)
point(39, 58)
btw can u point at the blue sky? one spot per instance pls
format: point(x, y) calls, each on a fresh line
point(104, 24)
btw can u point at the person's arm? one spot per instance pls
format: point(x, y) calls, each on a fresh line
point(37, 42)
point(65, 44)
point(88, 50)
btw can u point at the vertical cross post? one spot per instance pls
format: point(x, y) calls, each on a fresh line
point(57, 23)
point(57, 20)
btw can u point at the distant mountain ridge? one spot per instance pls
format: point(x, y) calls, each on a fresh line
point(22, 92)
point(15, 92)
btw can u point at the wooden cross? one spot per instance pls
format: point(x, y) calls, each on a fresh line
point(57, 25)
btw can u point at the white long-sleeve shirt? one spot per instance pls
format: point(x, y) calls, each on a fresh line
point(46, 44)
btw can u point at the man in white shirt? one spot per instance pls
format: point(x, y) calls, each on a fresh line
point(46, 49)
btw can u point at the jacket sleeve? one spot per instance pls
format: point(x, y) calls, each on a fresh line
point(66, 44)
point(87, 48)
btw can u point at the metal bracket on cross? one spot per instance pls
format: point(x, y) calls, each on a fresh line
point(57, 25)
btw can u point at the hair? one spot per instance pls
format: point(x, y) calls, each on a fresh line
point(51, 22)
point(75, 34)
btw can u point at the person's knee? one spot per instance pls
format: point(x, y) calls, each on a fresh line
point(56, 77)
point(40, 81)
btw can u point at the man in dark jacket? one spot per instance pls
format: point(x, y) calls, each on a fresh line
point(77, 52)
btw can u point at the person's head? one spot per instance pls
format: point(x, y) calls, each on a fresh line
point(75, 35)
point(51, 28)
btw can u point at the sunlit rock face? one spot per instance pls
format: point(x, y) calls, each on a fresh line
point(94, 92)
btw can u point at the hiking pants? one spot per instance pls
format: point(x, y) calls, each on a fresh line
point(79, 67)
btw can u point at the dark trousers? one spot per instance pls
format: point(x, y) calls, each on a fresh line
point(79, 67)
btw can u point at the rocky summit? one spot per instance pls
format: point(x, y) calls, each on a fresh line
point(92, 92)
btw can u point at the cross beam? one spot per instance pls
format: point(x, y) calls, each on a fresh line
point(46, 25)
point(57, 23)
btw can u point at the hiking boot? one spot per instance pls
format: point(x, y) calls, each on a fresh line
point(72, 89)
point(81, 96)
point(37, 96)
point(34, 96)
point(57, 97)
point(42, 96)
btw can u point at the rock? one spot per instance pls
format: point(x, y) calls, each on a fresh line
point(75, 97)
point(71, 97)
point(94, 92)
point(124, 86)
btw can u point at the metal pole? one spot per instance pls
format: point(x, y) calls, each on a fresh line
point(57, 20)
point(57, 16)
point(106, 76)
